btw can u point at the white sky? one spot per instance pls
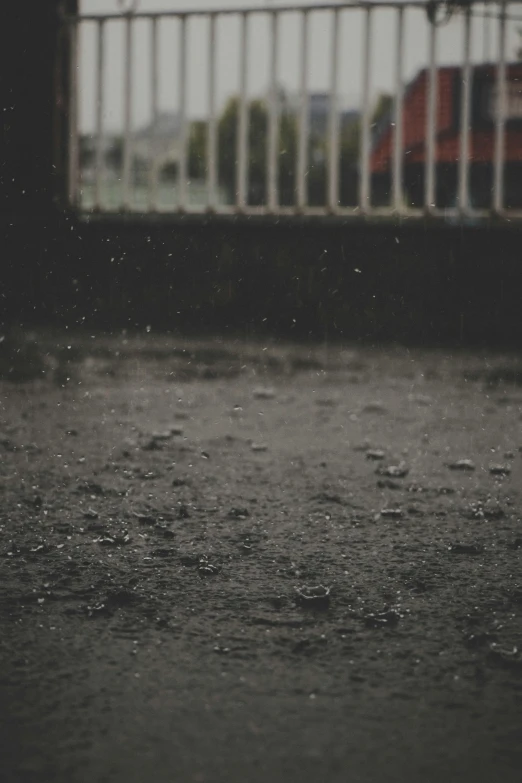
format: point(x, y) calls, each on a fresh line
point(485, 46)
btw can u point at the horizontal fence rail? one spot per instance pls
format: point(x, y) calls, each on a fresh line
point(358, 110)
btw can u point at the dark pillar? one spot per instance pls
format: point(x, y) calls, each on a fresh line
point(33, 105)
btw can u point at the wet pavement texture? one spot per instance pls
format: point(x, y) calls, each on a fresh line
point(229, 561)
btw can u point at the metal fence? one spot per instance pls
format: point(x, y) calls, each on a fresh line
point(444, 140)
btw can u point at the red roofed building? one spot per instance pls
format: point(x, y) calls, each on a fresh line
point(447, 138)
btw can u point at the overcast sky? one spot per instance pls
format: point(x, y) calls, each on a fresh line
point(485, 45)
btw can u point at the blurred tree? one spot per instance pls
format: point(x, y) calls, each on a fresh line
point(114, 154)
point(288, 142)
point(140, 170)
point(197, 150)
point(383, 108)
point(169, 171)
point(257, 147)
point(257, 132)
point(86, 151)
point(349, 154)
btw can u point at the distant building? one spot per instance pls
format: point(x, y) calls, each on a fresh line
point(88, 152)
point(319, 104)
point(484, 108)
point(484, 102)
point(159, 142)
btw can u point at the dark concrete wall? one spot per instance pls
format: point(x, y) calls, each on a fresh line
point(417, 284)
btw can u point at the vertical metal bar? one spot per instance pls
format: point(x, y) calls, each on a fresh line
point(154, 111)
point(212, 124)
point(243, 117)
point(398, 139)
point(333, 117)
point(431, 119)
point(183, 167)
point(100, 102)
point(302, 149)
point(500, 115)
point(364, 151)
point(127, 115)
point(273, 118)
point(487, 20)
point(73, 168)
point(465, 117)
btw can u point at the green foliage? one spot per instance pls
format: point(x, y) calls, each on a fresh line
point(383, 107)
point(86, 151)
point(258, 122)
point(258, 129)
point(114, 155)
point(140, 170)
point(197, 150)
point(169, 171)
point(257, 148)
